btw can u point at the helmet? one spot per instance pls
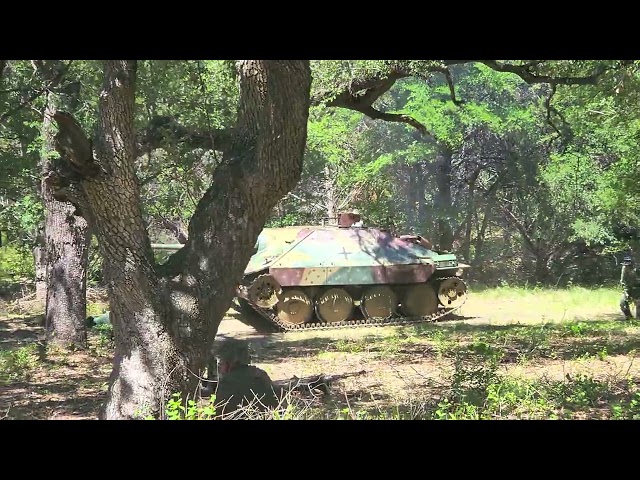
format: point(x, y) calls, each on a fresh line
point(233, 350)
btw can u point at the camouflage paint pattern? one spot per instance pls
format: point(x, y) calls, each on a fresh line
point(331, 255)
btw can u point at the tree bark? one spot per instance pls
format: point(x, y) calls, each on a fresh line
point(478, 257)
point(411, 205)
point(421, 190)
point(165, 318)
point(443, 201)
point(471, 208)
point(330, 192)
point(40, 263)
point(65, 254)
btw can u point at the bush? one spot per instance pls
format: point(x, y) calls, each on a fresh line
point(16, 264)
point(17, 365)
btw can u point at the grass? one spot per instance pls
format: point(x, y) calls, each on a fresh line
point(19, 364)
point(514, 353)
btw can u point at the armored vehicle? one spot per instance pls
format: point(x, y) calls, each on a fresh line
point(342, 275)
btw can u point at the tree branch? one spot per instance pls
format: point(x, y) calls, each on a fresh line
point(392, 117)
point(175, 227)
point(361, 96)
point(521, 228)
point(361, 93)
point(164, 129)
point(54, 77)
point(73, 145)
point(525, 73)
point(3, 63)
point(447, 73)
point(263, 165)
point(547, 104)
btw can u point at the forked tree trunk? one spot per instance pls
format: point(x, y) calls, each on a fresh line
point(165, 317)
point(65, 253)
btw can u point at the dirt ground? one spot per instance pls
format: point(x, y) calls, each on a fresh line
point(72, 386)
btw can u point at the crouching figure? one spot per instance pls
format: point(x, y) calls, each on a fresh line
point(242, 388)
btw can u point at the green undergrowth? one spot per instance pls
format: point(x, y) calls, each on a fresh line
point(95, 309)
point(18, 364)
point(16, 265)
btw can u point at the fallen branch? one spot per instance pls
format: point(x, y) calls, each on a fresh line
point(312, 383)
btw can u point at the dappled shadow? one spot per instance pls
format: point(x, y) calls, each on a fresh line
point(279, 348)
point(342, 398)
point(452, 326)
point(510, 342)
point(76, 395)
point(16, 332)
point(17, 407)
point(55, 388)
point(10, 291)
point(556, 341)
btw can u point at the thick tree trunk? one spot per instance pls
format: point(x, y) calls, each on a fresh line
point(165, 317)
point(66, 253)
point(264, 164)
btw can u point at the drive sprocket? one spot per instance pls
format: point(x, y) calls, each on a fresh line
point(264, 291)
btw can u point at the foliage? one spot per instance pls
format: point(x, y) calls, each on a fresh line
point(176, 409)
point(18, 365)
point(16, 264)
point(574, 188)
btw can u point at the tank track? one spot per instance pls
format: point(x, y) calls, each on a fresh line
point(398, 320)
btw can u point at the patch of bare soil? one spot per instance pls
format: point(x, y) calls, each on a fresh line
point(419, 372)
point(69, 388)
point(60, 386)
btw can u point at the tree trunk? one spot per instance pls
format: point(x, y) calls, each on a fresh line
point(330, 192)
point(471, 208)
point(469, 220)
point(542, 273)
point(66, 253)
point(165, 318)
point(478, 256)
point(443, 201)
point(421, 190)
point(40, 262)
point(412, 205)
